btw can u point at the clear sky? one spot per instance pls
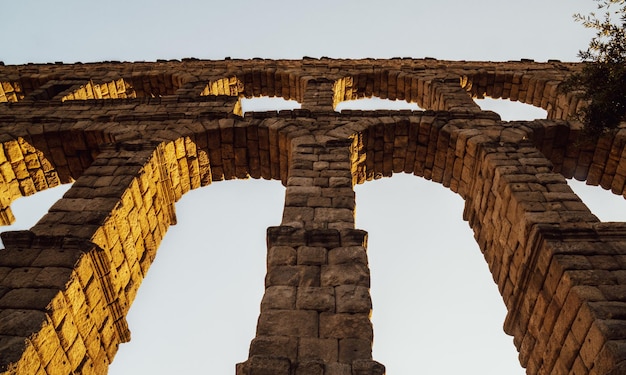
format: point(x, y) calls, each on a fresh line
point(436, 309)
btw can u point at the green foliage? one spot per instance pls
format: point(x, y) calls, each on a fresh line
point(602, 80)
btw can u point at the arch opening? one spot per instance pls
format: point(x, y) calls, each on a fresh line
point(255, 84)
point(28, 210)
point(146, 234)
point(395, 86)
point(604, 204)
point(266, 103)
point(375, 103)
point(525, 88)
point(28, 165)
point(512, 110)
point(437, 298)
point(206, 283)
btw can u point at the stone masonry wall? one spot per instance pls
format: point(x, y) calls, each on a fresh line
point(135, 137)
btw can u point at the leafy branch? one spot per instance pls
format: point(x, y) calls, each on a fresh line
point(602, 81)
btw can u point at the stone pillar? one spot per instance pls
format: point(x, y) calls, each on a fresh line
point(569, 310)
point(319, 187)
point(559, 269)
point(315, 312)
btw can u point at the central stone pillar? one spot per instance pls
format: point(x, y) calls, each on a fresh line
point(315, 312)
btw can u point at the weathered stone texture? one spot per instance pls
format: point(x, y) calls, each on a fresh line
point(135, 137)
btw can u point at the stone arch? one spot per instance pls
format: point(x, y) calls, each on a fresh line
point(232, 148)
point(104, 264)
point(256, 83)
point(424, 144)
point(156, 84)
point(125, 85)
point(209, 256)
point(42, 158)
point(150, 85)
point(114, 237)
point(539, 89)
point(114, 242)
point(430, 92)
point(17, 87)
point(223, 149)
point(599, 162)
point(515, 203)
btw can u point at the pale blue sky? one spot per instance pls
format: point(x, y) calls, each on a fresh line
point(436, 310)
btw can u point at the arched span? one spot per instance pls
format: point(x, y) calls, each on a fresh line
point(115, 216)
point(598, 161)
point(432, 145)
point(534, 88)
point(514, 203)
point(126, 85)
point(428, 91)
point(213, 150)
point(16, 87)
point(256, 83)
point(43, 157)
point(149, 85)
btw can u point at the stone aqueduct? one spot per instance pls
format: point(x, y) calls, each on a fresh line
point(135, 137)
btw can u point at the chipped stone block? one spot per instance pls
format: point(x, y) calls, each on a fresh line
point(316, 298)
point(352, 299)
point(281, 256)
point(348, 254)
point(293, 276)
point(367, 367)
point(279, 298)
point(261, 365)
point(298, 323)
point(275, 346)
point(345, 274)
point(308, 255)
point(310, 368)
point(342, 326)
point(318, 348)
point(351, 349)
